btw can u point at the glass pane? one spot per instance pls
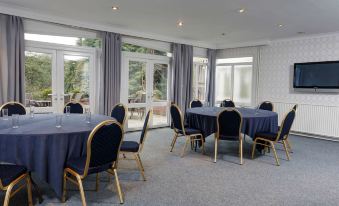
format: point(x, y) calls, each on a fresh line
point(136, 117)
point(137, 82)
point(140, 49)
point(160, 116)
point(38, 80)
point(160, 83)
point(76, 79)
point(199, 81)
point(242, 84)
point(235, 60)
point(223, 83)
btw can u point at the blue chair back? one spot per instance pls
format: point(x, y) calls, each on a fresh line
point(145, 127)
point(176, 117)
point(196, 103)
point(103, 144)
point(266, 106)
point(227, 103)
point(286, 125)
point(295, 107)
point(229, 123)
point(13, 108)
point(119, 113)
point(76, 108)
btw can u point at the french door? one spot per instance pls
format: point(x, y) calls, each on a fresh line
point(145, 86)
point(57, 76)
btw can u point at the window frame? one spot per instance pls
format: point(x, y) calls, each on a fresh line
point(196, 65)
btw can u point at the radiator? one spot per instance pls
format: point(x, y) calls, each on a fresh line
point(312, 119)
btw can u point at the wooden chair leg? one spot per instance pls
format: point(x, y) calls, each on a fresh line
point(173, 141)
point(64, 188)
point(215, 149)
point(29, 190)
point(121, 197)
point(286, 150)
point(188, 138)
point(275, 153)
point(253, 148)
point(202, 144)
point(241, 151)
point(82, 192)
point(289, 146)
point(8, 195)
point(141, 168)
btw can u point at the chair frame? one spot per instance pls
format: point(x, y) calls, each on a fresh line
point(126, 112)
point(141, 145)
point(78, 177)
point(189, 138)
point(195, 100)
point(227, 100)
point(267, 102)
point(8, 189)
point(12, 102)
point(217, 135)
point(74, 102)
point(271, 144)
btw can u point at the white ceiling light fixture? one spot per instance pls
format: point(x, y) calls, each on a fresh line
point(242, 10)
point(115, 8)
point(280, 25)
point(180, 23)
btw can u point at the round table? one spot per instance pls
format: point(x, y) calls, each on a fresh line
point(42, 147)
point(254, 120)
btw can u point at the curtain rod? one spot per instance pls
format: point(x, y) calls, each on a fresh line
point(94, 30)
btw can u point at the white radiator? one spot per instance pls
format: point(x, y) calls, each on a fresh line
point(312, 119)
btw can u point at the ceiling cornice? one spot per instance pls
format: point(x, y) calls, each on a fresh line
point(36, 15)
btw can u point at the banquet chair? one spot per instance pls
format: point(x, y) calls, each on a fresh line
point(227, 103)
point(102, 154)
point(13, 108)
point(288, 143)
point(76, 107)
point(269, 139)
point(135, 148)
point(195, 103)
point(229, 124)
point(180, 130)
point(266, 105)
point(10, 177)
point(119, 112)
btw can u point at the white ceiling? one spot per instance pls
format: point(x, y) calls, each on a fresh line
point(204, 20)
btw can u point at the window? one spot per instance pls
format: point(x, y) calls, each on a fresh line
point(234, 80)
point(199, 78)
point(140, 49)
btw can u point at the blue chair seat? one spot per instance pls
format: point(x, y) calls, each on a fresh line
point(190, 131)
point(129, 146)
point(78, 165)
point(8, 173)
point(266, 135)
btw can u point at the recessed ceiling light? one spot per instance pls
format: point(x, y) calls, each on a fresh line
point(180, 23)
point(115, 8)
point(280, 25)
point(301, 32)
point(241, 10)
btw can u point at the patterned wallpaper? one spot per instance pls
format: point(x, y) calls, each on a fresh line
point(276, 68)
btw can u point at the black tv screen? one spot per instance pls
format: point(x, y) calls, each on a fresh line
point(322, 75)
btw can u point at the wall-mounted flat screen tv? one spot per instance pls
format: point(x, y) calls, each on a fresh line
point(316, 75)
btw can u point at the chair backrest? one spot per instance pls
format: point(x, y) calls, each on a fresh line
point(229, 123)
point(13, 108)
point(195, 103)
point(119, 112)
point(295, 107)
point(76, 108)
point(103, 144)
point(145, 129)
point(266, 105)
point(176, 118)
point(227, 103)
point(286, 125)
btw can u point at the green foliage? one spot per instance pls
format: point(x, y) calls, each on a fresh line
point(88, 42)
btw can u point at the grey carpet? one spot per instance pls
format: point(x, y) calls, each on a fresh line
point(310, 178)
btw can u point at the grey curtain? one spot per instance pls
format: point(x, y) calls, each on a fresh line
point(12, 59)
point(182, 66)
point(110, 80)
point(210, 88)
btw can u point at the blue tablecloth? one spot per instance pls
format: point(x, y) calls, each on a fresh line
point(43, 148)
point(254, 120)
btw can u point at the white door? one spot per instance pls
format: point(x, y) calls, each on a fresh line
point(145, 86)
point(62, 75)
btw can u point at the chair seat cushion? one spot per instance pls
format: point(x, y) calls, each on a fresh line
point(129, 146)
point(190, 131)
point(78, 165)
point(266, 135)
point(8, 173)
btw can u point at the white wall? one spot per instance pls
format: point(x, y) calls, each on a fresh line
point(319, 112)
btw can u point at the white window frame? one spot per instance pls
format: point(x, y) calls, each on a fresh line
point(195, 66)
